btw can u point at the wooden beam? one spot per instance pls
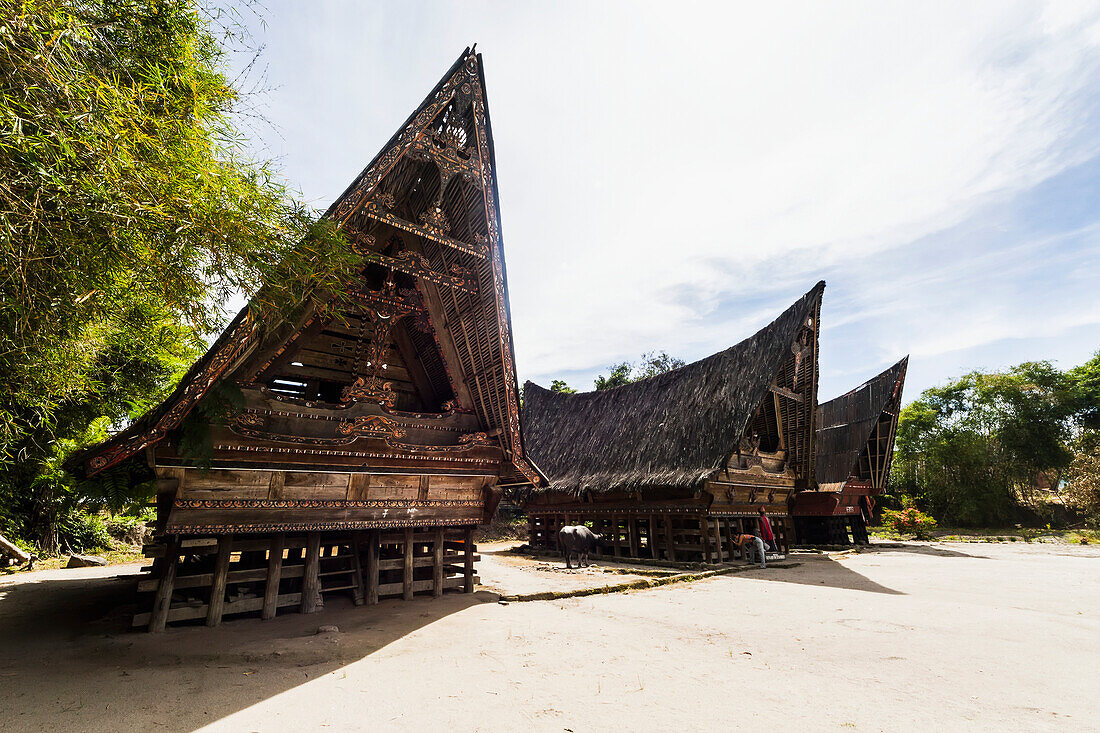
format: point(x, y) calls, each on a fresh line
point(407, 587)
point(377, 213)
point(217, 588)
point(632, 535)
point(372, 566)
point(428, 393)
point(434, 305)
point(163, 600)
point(437, 564)
point(274, 575)
point(358, 593)
point(468, 569)
point(311, 579)
point(651, 537)
point(670, 544)
point(784, 392)
point(704, 528)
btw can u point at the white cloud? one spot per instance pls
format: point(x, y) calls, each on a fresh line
point(661, 163)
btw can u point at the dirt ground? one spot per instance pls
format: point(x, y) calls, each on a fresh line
point(923, 636)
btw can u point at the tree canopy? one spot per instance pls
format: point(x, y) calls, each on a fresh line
point(974, 449)
point(129, 215)
point(650, 364)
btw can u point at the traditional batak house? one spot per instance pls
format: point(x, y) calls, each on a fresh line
point(365, 440)
point(855, 447)
point(672, 466)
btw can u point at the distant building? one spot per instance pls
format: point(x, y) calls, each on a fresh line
point(855, 449)
point(672, 466)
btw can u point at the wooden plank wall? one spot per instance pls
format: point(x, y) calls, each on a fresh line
point(218, 483)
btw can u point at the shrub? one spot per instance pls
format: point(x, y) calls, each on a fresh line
point(81, 531)
point(909, 520)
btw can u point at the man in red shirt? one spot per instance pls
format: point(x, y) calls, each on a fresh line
point(766, 530)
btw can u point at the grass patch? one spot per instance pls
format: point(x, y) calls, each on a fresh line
point(996, 534)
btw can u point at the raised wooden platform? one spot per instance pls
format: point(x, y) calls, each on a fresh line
point(211, 577)
point(673, 536)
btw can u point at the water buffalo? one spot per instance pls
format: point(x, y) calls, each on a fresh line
point(578, 539)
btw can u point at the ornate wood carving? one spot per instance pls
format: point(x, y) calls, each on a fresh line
point(384, 308)
point(253, 527)
point(424, 452)
point(323, 503)
point(374, 426)
point(373, 210)
point(470, 439)
point(417, 265)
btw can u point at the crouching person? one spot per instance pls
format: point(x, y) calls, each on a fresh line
point(748, 543)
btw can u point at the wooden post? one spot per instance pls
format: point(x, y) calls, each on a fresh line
point(357, 593)
point(719, 546)
point(372, 565)
point(217, 587)
point(274, 574)
point(408, 588)
point(651, 537)
point(468, 569)
point(437, 565)
point(618, 535)
point(731, 547)
point(670, 539)
point(311, 579)
point(704, 527)
point(163, 600)
point(632, 535)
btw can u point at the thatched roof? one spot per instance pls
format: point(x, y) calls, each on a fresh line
point(844, 424)
point(673, 429)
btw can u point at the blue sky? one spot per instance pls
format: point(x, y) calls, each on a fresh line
point(672, 175)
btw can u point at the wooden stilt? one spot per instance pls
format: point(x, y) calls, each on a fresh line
point(217, 587)
point(163, 600)
point(731, 547)
point(468, 568)
point(274, 575)
point(651, 537)
point(617, 535)
point(670, 540)
point(311, 580)
point(407, 593)
point(437, 564)
point(719, 546)
point(632, 535)
point(358, 595)
point(704, 529)
point(372, 565)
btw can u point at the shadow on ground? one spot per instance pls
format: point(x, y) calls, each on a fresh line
point(67, 656)
point(923, 550)
point(816, 570)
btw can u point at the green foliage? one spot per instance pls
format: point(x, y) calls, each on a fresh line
point(558, 385)
point(129, 214)
point(1085, 385)
point(973, 451)
point(221, 402)
point(651, 364)
point(1083, 477)
point(620, 375)
point(909, 520)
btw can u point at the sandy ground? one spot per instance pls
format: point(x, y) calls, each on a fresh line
point(512, 574)
point(924, 637)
